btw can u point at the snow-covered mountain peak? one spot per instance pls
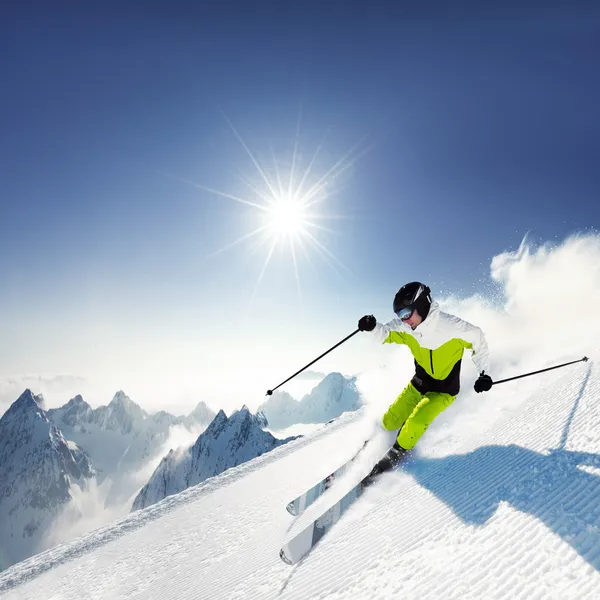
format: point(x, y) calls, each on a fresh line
point(162, 417)
point(77, 401)
point(201, 415)
point(242, 413)
point(226, 443)
point(75, 411)
point(280, 396)
point(27, 402)
point(216, 424)
point(334, 395)
point(123, 413)
point(334, 385)
point(122, 402)
point(121, 397)
point(38, 468)
point(279, 402)
point(239, 423)
point(25, 420)
point(25, 426)
point(334, 380)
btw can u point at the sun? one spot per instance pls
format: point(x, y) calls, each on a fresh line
point(292, 204)
point(287, 217)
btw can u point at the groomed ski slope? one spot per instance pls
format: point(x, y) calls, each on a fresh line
point(504, 505)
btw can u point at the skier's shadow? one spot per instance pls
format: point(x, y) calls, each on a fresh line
point(551, 486)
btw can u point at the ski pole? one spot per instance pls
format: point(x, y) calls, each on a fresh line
point(269, 392)
point(584, 359)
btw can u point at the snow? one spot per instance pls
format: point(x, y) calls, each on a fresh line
point(294, 430)
point(504, 508)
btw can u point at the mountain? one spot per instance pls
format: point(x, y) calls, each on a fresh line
point(121, 415)
point(122, 439)
point(334, 395)
point(226, 443)
point(38, 471)
point(201, 415)
point(118, 437)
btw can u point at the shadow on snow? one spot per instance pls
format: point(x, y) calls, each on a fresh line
point(550, 486)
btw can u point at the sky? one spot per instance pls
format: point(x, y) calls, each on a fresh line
point(144, 155)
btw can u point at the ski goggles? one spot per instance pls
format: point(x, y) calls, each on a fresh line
point(406, 313)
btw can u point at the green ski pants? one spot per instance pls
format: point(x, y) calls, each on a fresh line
point(414, 412)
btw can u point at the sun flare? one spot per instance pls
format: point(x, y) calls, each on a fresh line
point(292, 205)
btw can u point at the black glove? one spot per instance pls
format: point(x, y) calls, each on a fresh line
point(484, 383)
point(367, 323)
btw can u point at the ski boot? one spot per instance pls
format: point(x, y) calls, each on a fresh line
point(394, 456)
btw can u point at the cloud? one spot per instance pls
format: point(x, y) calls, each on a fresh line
point(180, 439)
point(87, 511)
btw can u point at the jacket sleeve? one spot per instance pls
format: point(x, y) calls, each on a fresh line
point(475, 337)
point(384, 332)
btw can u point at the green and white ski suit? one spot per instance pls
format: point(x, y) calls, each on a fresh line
point(437, 345)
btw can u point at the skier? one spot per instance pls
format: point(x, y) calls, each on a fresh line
point(437, 341)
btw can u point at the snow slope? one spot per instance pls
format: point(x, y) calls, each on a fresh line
point(506, 507)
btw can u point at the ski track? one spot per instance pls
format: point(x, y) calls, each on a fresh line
point(511, 513)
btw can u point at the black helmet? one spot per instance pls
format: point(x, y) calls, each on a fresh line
point(413, 295)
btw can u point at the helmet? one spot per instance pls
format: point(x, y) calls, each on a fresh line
point(413, 295)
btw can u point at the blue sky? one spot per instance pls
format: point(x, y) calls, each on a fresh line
point(459, 131)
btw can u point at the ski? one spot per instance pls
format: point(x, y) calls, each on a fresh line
point(303, 542)
point(304, 500)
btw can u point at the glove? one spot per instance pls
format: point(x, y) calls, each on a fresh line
point(367, 323)
point(484, 383)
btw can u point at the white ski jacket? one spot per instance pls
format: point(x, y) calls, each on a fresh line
point(438, 343)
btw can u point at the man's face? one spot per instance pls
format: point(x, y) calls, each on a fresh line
point(414, 320)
